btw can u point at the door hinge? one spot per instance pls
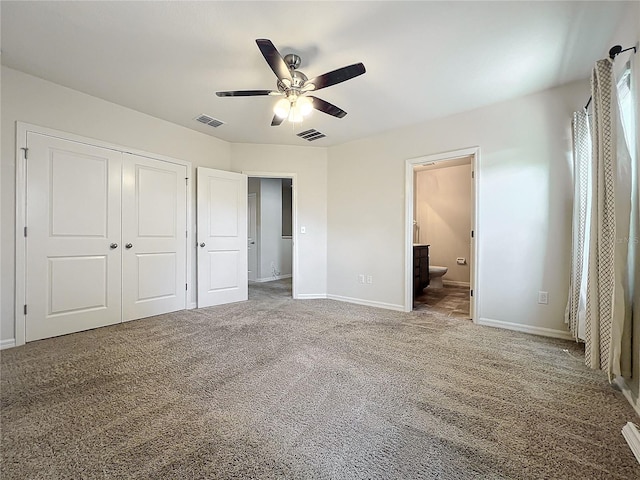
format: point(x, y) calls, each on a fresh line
point(472, 293)
point(473, 174)
point(26, 152)
point(25, 231)
point(186, 286)
point(25, 309)
point(186, 234)
point(186, 180)
point(471, 233)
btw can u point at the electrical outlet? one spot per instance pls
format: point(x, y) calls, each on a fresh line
point(543, 298)
point(369, 279)
point(361, 278)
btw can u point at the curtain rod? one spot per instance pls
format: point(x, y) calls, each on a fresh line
point(613, 52)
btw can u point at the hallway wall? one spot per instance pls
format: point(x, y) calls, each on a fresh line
point(274, 252)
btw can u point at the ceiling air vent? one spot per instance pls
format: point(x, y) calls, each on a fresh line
point(311, 135)
point(207, 120)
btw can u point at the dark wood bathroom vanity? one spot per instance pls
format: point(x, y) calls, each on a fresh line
point(420, 268)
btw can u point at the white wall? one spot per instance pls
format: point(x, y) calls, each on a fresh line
point(32, 100)
point(524, 205)
point(443, 213)
point(627, 35)
point(310, 166)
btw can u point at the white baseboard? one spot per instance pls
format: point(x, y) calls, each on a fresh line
point(272, 279)
point(455, 283)
point(9, 343)
point(518, 327)
point(629, 394)
point(311, 296)
point(368, 303)
point(632, 436)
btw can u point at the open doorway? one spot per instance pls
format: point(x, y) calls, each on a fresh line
point(441, 237)
point(270, 236)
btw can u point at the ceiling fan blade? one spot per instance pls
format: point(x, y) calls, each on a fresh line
point(337, 76)
point(245, 93)
point(274, 59)
point(326, 107)
point(276, 121)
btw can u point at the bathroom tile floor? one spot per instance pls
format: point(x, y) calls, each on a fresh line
point(450, 300)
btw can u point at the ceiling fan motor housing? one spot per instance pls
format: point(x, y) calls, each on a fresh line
point(298, 78)
point(292, 60)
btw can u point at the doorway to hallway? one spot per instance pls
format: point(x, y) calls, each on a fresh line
point(271, 252)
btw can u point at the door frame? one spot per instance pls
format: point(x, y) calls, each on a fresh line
point(294, 219)
point(22, 130)
point(254, 197)
point(474, 153)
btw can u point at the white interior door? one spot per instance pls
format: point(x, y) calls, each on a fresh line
point(222, 237)
point(73, 250)
point(154, 228)
point(251, 238)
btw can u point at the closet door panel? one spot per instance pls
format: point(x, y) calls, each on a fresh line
point(154, 237)
point(73, 257)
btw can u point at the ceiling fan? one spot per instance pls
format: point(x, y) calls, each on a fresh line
point(294, 86)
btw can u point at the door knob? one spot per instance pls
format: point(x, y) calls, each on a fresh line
point(128, 245)
point(202, 244)
point(114, 245)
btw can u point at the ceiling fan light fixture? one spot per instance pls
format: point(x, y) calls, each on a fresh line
point(294, 86)
point(295, 115)
point(282, 108)
point(305, 105)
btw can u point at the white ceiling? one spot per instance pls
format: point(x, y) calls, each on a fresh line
point(424, 60)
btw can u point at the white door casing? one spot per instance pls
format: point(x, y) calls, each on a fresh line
point(73, 251)
point(153, 237)
point(472, 239)
point(252, 238)
point(221, 201)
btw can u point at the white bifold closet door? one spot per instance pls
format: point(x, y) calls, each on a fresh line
point(222, 237)
point(84, 204)
point(73, 270)
point(153, 236)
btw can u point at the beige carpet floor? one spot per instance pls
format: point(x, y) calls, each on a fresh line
point(314, 389)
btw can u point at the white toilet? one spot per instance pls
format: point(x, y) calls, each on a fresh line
point(435, 275)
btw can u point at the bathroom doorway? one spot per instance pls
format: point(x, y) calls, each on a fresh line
point(441, 234)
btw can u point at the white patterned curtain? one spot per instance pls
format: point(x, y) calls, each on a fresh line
point(576, 306)
point(599, 283)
